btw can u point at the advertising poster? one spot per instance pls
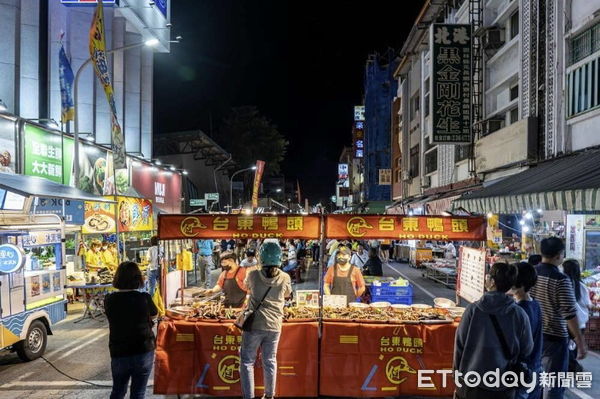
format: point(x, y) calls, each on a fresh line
point(96, 171)
point(575, 233)
point(43, 154)
point(46, 288)
point(7, 145)
point(307, 298)
point(56, 285)
point(135, 214)
point(71, 210)
point(471, 275)
point(163, 187)
point(34, 286)
point(99, 218)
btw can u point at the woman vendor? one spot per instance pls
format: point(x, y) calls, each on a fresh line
point(344, 278)
point(93, 257)
point(231, 281)
point(109, 256)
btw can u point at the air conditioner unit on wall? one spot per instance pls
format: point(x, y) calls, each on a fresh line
point(492, 38)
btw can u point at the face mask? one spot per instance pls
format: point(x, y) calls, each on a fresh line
point(270, 272)
point(341, 261)
point(226, 268)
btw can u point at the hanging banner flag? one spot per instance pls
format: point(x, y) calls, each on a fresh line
point(65, 76)
point(260, 168)
point(442, 228)
point(98, 56)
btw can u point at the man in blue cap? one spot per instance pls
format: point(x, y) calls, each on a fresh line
point(268, 289)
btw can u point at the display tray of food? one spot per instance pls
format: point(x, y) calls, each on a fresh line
point(214, 311)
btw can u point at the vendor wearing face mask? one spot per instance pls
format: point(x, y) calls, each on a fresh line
point(231, 281)
point(344, 278)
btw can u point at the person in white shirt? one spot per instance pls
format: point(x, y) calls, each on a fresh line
point(450, 251)
point(360, 257)
point(250, 260)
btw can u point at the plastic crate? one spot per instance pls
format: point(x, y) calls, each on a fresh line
point(386, 290)
point(393, 299)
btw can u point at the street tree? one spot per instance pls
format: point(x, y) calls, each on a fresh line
point(249, 136)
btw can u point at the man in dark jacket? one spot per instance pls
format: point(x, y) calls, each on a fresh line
point(478, 346)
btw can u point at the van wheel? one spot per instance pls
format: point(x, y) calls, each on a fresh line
point(34, 344)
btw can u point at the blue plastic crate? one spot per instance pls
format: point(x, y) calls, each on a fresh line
point(393, 299)
point(386, 290)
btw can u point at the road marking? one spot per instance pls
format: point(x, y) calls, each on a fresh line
point(413, 282)
point(72, 343)
point(580, 394)
point(75, 349)
point(64, 383)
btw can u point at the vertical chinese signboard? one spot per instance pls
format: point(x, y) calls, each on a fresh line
point(451, 49)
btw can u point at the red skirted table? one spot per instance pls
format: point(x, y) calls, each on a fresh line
point(202, 357)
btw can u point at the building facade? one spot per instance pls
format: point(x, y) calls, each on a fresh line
point(380, 89)
point(29, 64)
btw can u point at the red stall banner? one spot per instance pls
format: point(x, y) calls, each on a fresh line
point(173, 227)
point(203, 358)
point(403, 227)
point(376, 360)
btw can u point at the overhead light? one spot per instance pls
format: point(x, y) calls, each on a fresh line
point(158, 162)
point(89, 138)
point(151, 42)
point(253, 168)
point(525, 229)
point(51, 123)
point(522, 222)
point(3, 107)
point(178, 37)
point(172, 168)
point(490, 215)
point(410, 213)
point(154, 169)
point(169, 25)
point(151, 3)
point(528, 216)
point(540, 211)
point(278, 190)
point(185, 172)
point(135, 163)
point(247, 211)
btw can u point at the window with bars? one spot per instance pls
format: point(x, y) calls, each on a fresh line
point(585, 44)
point(431, 164)
point(583, 90)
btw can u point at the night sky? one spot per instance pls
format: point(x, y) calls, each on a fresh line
point(300, 62)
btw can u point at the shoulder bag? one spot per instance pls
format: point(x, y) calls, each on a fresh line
point(516, 366)
point(244, 320)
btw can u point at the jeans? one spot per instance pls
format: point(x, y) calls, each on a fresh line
point(555, 359)
point(136, 367)
point(153, 276)
point(292, 265)
point(251, 341)
point(535, 394)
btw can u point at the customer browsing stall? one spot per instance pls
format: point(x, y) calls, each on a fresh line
point(231, 281)
point(344, 278)
point(268, 289)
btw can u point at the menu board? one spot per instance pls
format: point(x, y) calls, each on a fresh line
point(307, 298)
point(135, 214)
point(99, 218)
point(471, 275)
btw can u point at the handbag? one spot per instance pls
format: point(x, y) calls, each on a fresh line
point(521, 368)
point(244, 319)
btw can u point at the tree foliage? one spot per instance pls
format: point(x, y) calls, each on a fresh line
point(249, 136)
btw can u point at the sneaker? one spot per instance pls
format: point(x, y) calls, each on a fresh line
point(268, 397)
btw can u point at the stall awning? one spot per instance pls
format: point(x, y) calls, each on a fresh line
point(570, 183)
point(30, 186)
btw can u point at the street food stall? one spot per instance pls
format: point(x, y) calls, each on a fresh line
point(32, 263)
point(197, 345)
point(384, 344)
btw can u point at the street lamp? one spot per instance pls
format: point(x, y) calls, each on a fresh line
point(148, 43)
point(231, 185)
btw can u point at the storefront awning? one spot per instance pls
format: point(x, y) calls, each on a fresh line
point(29, 186)
point(570, 183)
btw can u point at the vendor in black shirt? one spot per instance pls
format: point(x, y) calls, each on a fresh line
point(131, 340)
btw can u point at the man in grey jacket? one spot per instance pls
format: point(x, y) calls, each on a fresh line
point(478, 348)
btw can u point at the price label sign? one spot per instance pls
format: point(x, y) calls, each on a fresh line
point(335, 301)
point(197, 202)
point(211, 196)
point(11, 258)
point(307, 298)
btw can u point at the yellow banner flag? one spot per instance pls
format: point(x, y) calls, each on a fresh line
point(98, 56)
